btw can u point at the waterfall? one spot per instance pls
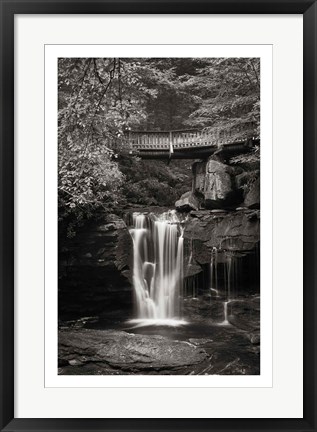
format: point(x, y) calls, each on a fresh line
point(157, 265)
point(214, 272)
point(228, 278)
point(225, 321)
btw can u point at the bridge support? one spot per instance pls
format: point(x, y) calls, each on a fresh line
point(171, 145)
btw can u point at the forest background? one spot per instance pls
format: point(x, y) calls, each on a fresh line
point(101, 99)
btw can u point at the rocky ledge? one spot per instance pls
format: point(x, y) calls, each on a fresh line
point(222, 351)
point(115, 350)
point(94, 269)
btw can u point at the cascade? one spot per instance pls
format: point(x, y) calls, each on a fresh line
point(157, 265)
point(225, 321)
point(214, 272)
point(227, 276)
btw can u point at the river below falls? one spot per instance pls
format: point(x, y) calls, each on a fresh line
point(203, 327)
point(99, 348)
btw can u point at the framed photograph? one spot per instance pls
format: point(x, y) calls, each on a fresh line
point(158, 210)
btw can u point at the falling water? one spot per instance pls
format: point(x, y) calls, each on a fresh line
point(157, 266)
point(214, 272)
point(227, 274)
point(225, 321)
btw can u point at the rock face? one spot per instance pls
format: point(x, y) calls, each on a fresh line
point(126, 352)
point(235, 234)
point(224, 186)
point(114, 352)
point(245, 314)
point(188, 201)
point(216, 182)
point(219, 184)
point(94, 269)
point(236, 231)
point(252, 197)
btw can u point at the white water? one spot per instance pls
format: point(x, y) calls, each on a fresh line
point(229, 277)
point(171, 322)
point(225, 321)
point(157, 266)
point(213, 271)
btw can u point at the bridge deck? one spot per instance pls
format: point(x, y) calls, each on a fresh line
point(188, 144)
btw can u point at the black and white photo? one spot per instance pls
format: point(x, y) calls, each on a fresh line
point(159, 216)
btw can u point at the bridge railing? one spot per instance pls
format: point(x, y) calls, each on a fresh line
point(182, 139)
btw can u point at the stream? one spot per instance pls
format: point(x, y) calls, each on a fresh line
point(180, 323)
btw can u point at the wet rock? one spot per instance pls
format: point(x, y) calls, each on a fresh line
point(95, 269)
point(79, 323)
point(245, 314)
point(253, 215)
point(235, 231)
point(192, 269)
point(198, 214)
point(217, 311)
point(218, 211)
point(125, 352)
point(75, 362)
point(187, 202)
point(203, 311)
point(199, 341)
point(254, 338)
point(235, 367)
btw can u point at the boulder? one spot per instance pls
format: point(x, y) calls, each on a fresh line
point(199, 174)
point(242, 179)
point(187, 202)
point(118, 352)
point(219, 185)
point(216, 182)
point(252, 196)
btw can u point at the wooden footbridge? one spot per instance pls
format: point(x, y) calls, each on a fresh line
point(189, 144)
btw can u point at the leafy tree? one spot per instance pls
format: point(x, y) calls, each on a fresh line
point(100, 99)
point(228, 93)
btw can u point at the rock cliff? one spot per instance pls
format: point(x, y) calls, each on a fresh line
point(219, 185)
point(94, 269)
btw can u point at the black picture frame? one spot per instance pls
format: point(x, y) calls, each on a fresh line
point(8, 10)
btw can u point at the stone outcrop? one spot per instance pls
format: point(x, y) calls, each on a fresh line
point(123, 352)
point(188, 201)
point(252, 196)
point(95, 269)
point(236, 231)
point(215, 181)
point(224, 186)
point(114, 352)
point(245, 314)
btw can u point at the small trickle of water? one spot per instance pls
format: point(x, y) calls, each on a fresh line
point(225, 321)
point(214, 271)
point(157, 265)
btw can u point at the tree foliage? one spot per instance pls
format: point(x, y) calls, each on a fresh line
point(100, 99)
point(227, 91)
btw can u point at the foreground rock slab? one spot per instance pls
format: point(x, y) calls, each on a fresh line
point(124, 352)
